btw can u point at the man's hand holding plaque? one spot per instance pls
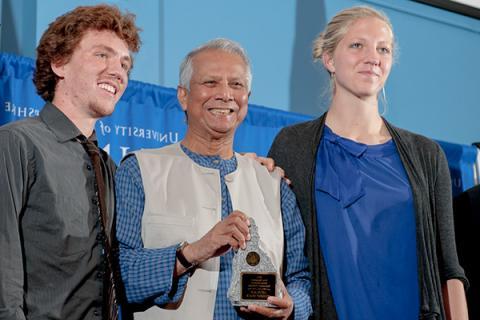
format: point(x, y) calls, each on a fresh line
point(256, 285)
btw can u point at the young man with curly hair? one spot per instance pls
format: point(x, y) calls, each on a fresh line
point(56, 223)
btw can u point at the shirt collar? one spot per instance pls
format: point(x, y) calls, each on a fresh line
point(225, 166)
point(356, 149)
point(59, 123)
point(92, 138)
point(337, 172)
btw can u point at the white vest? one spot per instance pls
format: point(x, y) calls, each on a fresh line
point(183, 201)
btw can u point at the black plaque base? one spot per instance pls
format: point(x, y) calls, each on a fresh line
point(257, 285)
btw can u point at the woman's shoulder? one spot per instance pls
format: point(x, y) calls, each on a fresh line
point(420, 145)
point(295, 140)
point(303, 128)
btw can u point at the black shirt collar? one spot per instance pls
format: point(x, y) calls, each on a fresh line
point(60, 124)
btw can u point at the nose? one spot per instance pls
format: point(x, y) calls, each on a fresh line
point(373, 62)
point(372, 57)
point(224, 92)
point(117, 71)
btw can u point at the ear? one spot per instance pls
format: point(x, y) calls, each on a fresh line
point(328, 62)
point(58, 68)
point(182, 96)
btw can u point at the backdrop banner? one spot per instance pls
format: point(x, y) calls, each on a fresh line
point(149, 116)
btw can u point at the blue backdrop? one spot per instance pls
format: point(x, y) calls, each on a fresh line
point(149, 116)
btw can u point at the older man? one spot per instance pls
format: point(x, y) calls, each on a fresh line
point(183, 209)
point(56, 186)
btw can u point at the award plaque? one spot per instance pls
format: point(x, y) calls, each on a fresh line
point(254, 277)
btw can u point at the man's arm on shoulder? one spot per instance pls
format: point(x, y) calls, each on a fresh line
point(268, 163)
point(13, 177)
point(296, 275)
point(147, 273)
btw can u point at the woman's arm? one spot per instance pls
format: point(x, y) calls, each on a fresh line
point(454, 300)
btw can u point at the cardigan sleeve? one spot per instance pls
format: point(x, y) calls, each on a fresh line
point(277, 150)
point(447, 254)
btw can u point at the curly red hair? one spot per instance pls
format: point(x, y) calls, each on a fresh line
point(64, 34)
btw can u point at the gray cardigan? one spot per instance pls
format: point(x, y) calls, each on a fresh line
point(294, 149)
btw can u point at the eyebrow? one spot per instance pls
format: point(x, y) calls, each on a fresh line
point(381, 41)
point(112, 51)
point(238, 78)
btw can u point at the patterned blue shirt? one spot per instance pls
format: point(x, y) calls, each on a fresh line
point(139, 266)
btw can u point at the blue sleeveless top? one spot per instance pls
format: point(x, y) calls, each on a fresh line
point(366, 226)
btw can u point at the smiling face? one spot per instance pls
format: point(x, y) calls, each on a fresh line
point(95, 76)
point(217, 101)
point(362, 60)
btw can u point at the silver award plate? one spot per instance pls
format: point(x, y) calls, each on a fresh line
point(254, 277)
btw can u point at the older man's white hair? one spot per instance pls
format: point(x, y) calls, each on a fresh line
point(186, 67)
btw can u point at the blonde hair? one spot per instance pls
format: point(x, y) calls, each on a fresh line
point(327, 41)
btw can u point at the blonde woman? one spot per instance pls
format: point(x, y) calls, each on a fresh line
point(376, 199)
